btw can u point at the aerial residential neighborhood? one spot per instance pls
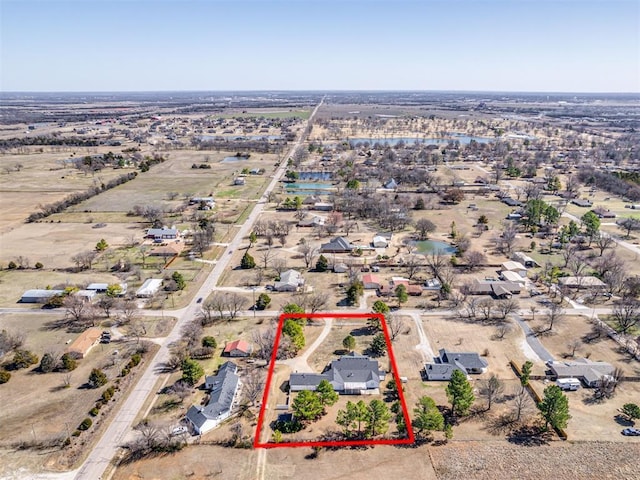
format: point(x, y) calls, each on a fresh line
point(324, 240)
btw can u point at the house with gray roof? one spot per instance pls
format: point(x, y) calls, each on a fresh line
point(589, 372)
point(350, 374)
point(224, 388)
point(337, 245)
point(447, 362)
point(290, 281)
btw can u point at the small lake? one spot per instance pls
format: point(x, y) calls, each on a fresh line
point(434, 246)
point(391, 141)
point(307, 186)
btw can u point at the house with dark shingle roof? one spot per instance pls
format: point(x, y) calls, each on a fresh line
point(350, 374)
point(337, 245)
point(224, 388)
point(447, 362)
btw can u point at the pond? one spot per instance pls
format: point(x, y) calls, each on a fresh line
point(434, 246)
point(307, 186)
point(455, 137)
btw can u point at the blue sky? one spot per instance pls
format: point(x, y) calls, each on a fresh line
point(508, 45)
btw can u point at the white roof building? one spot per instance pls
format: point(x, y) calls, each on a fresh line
point(149, 287)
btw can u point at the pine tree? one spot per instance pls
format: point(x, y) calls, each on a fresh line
point(460, 393)
point(554, 407)
point(427, 416)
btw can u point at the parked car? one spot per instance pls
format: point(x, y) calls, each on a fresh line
point(199, 300)
point(179, 430)
point(631, 432)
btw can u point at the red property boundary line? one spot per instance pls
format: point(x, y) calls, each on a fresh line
point(345, 443)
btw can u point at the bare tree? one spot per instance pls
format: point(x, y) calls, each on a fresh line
point(76, 308)
point(626, 314)
point(107, 303)
point(604, 241)
point(235, 303)
point(503, 329)
point(485, 307)
point(217, 302)
point(522, 403)
point(317, 301)
point(396, 325)
point(264, 339)
point(128, 311)
point(424, 227)
point(279, 265)
point(412, 264)
point(266, 255)
point(191, 333)
point(474, 259)
point(507, 307)
point(573, 346)
point(309, 252)
point(491, 389)
point(253, 386)
point(554, 315)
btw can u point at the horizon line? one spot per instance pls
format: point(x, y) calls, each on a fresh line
point(320, 91)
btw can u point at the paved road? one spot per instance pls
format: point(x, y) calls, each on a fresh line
point(532, 340)
point(629, 246)
point(116, 433)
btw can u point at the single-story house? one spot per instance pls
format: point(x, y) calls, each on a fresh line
point(513, 266)
point(149, 287)
point(380, 242)
point(323, 206)
point(237, 348)
point(447, 362)
point(102, 287)
point(164, 233)
point(499, 289)
point(311, 200)
point(582, 202)
point(39, 295)
point(512, 277)
point(290, 281)
point(224, 387)
point(208, 201)
point(350, 374)
point(395, 281)
point(525, 259)
point(589, 372)
point(512, 202)
point(602, 212)
point(337, 245)
point(581, 282)
point(169, 250)
point(85, 342)
point(371, 281)
point(313, 221)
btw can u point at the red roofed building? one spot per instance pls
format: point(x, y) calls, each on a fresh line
point(371, 281)
point(237, 348)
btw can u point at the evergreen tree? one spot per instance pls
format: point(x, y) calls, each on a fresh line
point(378, 345)
point(349, 343)
point(307, 406)
point(427, 416)
point(525, 373)
point(326, 393)
point(401, 294)
point(179, 279)
point(322, 265)
point(460, 393)
point(97, 378)
point(378, 418)
point(554, 407)
point(191, 371)
point(247, 261)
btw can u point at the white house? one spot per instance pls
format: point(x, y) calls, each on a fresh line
point(224, 388)
point(149, 287)
point(289, 281)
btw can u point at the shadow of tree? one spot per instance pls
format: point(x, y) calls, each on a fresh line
point(529, 436)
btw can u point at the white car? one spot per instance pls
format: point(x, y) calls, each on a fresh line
point(179, 430)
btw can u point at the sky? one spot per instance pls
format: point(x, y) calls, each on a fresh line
point(463, 45)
